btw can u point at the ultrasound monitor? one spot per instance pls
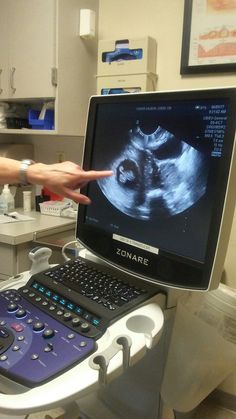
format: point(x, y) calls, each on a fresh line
point(165, 214)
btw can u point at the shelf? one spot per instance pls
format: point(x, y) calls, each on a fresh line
point(28, 131)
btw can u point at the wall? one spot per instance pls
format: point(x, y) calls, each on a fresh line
point(163, 20)
point(47, 147)
point(46, 150)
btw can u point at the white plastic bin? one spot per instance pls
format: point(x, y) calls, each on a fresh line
point(202, 352)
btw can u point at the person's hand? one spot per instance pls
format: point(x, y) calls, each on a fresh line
point(64, 178)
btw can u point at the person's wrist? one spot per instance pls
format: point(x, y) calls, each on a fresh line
point(36, 173)
point(24, 166)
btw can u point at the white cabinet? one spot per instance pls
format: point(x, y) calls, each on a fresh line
point(42, 58)
point(4, 49)
point(28, 52)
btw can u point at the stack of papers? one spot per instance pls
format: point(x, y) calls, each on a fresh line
point(13, 217)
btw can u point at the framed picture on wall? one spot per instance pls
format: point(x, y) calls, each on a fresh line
point(209, 36)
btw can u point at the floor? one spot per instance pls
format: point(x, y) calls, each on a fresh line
point(210, 411)
point(95, 409)
point(206, 410)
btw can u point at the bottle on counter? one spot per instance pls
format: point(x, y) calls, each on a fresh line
point(27, 201)
point(3, 204)
point(7, 203)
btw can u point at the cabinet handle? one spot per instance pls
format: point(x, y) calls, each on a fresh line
point(13, 69)
point(0, 80)
point(54, 76)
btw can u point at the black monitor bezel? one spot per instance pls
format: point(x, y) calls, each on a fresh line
point(187, 274)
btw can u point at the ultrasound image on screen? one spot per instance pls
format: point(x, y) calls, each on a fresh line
point(159, 216)
point(164, 156)
point(155, 174)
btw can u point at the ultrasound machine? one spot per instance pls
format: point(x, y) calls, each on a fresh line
point(157, 229)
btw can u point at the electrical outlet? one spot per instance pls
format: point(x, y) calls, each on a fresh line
point(60, 156)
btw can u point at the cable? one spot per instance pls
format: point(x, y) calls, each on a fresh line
point(77, 246)
point(63, 250)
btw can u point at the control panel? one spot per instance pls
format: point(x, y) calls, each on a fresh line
point(64, 308)
point(35, 347)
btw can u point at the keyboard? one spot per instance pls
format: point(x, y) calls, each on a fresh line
point(86, 296)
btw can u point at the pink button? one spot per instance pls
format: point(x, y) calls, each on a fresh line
point(17, 327)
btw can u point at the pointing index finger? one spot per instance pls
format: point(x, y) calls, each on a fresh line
point(94, 174)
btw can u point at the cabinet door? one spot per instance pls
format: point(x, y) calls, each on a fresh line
point(32, 47)
point(4, 48)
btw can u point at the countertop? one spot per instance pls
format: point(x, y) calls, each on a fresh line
point(42, 225)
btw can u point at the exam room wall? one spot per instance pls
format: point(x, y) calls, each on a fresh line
point(163, 20)
point(47, 148)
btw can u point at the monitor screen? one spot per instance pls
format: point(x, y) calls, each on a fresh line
point(160, 216)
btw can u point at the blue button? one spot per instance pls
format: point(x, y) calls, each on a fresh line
point(79, 310)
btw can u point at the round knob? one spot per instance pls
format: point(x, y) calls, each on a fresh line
point(67, 316)
point(12, 307)
point(85, 327)
point(76, 321)
point(20, 313)
point(48, 333)
point(38, 326)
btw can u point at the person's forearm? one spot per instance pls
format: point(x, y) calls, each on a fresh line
point(65, 178)
point(9, 170)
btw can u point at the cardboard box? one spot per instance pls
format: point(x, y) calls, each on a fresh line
point(130, 56)
point(126, 84)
